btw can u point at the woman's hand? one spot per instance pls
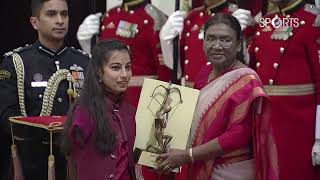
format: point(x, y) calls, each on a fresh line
point(171, 160)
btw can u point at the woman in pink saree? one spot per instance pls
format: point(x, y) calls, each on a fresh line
point(221, 137)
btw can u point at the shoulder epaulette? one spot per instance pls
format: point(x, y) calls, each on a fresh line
point(17, 50)
point(158, 16)
point(314, 9)
point(232, 7)
point(79, 51)
point(311, 8)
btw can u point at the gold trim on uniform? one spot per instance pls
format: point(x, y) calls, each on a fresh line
point(132, 3)
point(50, 92)
point(19, 67)
point(55, 127)
point(293, 5)
point(209, 8)
point(290, 90)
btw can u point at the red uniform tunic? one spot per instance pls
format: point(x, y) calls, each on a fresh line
point(191, 53)
point(287, 61)
point(137, 24)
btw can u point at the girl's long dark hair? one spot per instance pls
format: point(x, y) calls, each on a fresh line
point(233, 23)
point(92, 98)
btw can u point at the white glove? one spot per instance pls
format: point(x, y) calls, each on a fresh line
point(244, 17)
point(316, 153)
point(169, 31)
point(316, 147)
point(89, 27)
point(173, 26)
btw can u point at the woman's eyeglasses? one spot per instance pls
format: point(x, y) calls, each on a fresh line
point(214, 42)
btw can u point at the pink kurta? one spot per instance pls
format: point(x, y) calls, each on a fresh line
point(91, 163)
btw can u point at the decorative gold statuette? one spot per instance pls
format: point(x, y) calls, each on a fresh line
point(163, 119)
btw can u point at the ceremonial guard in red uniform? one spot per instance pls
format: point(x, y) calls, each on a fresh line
point(285, 52)
point(191, 44)
point(192, 57)
point(137, 24)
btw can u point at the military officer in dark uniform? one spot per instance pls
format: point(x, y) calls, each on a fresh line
point(27, 72)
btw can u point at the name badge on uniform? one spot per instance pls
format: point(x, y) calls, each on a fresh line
point(39, 84)
point(126, 29)
point(77, 75)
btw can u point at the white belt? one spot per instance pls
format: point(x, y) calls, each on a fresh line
point(290, 90)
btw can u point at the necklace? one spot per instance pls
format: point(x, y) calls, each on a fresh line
point(211, 75)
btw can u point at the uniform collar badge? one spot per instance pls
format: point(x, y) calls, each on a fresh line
point(48, 51)
point(126, 29)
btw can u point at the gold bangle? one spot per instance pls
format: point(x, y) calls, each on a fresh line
point(190, 155)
